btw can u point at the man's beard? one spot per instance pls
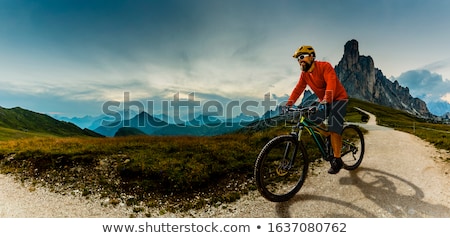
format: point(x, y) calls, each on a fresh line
point(305, 66)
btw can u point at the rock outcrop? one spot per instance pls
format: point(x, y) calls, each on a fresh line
point(363, 81)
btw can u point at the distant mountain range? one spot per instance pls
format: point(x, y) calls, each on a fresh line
point(89, 122)
point(200, 126)
point(93, 122)
point(442, 107)
point(144, 123)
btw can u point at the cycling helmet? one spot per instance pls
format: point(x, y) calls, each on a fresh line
point(304, 49)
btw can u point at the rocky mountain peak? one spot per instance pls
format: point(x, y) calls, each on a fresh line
point(351, 53)
point(363, 81)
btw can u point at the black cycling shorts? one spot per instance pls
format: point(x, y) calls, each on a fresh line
point(335, 112)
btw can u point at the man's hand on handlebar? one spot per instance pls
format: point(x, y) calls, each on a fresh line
point(322, 106)
point(284, 110)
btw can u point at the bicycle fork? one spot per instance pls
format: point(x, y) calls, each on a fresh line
point(288, 159)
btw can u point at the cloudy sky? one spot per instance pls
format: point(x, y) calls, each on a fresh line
point(71, 57)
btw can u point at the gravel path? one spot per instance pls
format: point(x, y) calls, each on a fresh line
point(400, 176)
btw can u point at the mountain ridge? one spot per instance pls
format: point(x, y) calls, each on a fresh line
point(202, 125)
point(364, 81)
point(27, 121)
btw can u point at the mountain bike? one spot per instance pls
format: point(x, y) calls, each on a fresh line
point(282, 165)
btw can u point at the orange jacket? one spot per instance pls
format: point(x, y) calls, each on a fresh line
point(323, 81)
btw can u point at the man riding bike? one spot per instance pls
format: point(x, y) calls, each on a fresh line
point(323, 81)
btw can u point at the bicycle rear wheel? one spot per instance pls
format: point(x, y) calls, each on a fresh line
point(281, 168)
point(352, 147)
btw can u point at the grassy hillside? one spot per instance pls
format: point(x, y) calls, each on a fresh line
point(11, 134)
point(21, 123)
point(171, 172)
point(437, 134)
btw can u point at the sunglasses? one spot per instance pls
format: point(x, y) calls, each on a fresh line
point(300, 57)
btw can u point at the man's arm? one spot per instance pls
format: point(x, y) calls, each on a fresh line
point(298, 90)
point(331, 79)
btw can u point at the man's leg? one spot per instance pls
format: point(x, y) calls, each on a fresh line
point(336, 144)
point(336, 122)
point(336, 161)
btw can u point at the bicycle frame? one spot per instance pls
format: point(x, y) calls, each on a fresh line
point(313, 129)
point(282, 164)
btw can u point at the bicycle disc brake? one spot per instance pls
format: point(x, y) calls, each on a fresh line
point(283, 168)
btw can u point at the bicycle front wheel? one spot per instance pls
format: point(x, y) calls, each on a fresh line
point(281, 168)
point(352, 147)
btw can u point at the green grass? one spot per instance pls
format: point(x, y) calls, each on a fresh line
point(11, 134)
point(144, 167)
point(436, 134)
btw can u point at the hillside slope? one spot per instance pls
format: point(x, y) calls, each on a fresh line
point(18, 123)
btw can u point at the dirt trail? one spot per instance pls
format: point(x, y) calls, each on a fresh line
point(400, 176)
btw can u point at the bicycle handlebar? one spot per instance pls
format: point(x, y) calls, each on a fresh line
point(309, 109)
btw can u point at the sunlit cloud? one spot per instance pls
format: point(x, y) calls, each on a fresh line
point(446, 97)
